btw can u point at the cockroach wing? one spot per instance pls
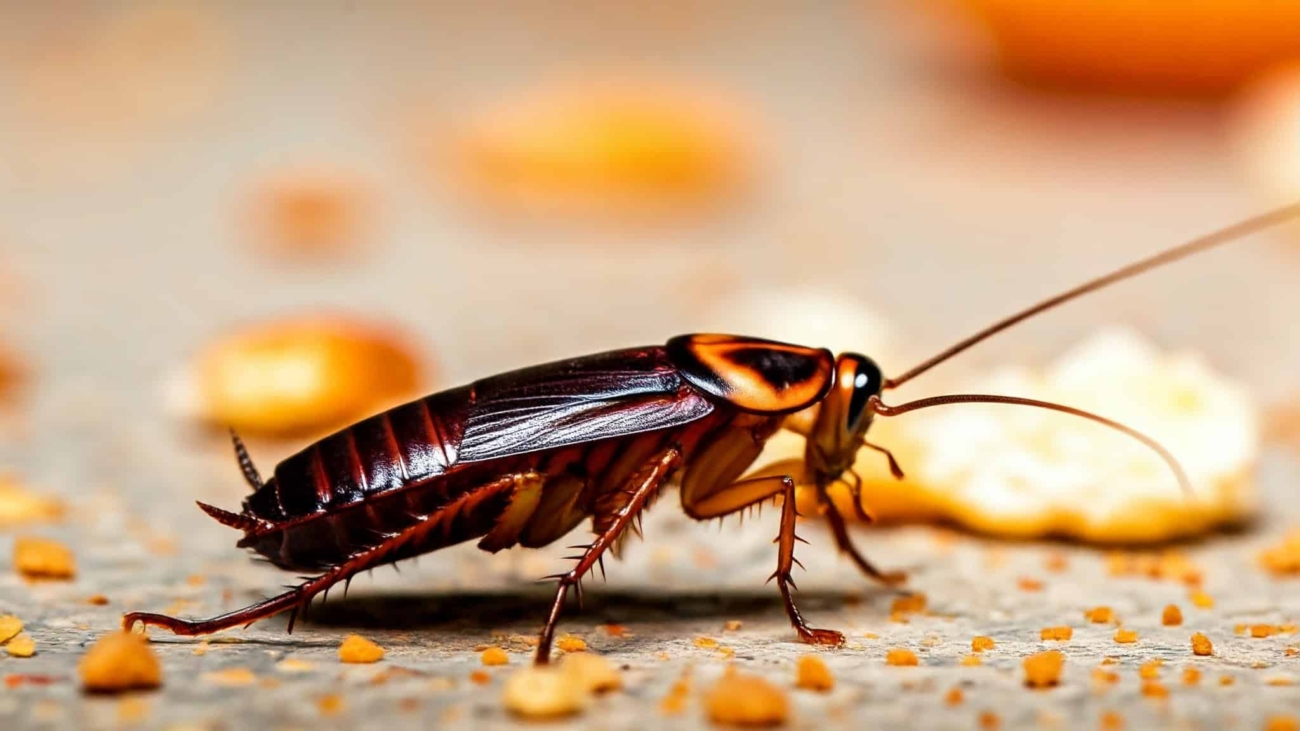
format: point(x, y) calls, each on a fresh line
point(576, 401)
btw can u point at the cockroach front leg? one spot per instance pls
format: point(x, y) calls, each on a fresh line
point(753, 491)
point(641, 487)
point(842, 540)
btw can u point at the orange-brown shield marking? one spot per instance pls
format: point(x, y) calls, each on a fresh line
point(753, 374)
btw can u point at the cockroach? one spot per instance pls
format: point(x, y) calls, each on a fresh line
point(522, 458)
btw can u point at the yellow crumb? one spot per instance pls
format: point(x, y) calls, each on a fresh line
point(21, 646)
point(1280, 680)
point(201, 649)
point(1201, 600)
point(1201, 645)
point(971, 660)
point(1154, 689)
point(542, 692)
point(1099, 615)
point(494, 656)
point(1056, 633)
point(18, 505)
point(120, 661)
point(909, 604)
point(41, 558)
point(1226, 680)
point(571, 643)
point(1126, 636)
point(590, 672)
point(10, 626)
point(705, 643)
point(675, 702)
point(231, 677)
point(294, 665)
point(1150, 670)
point(746, 700)
point(898, 656)
point(1043, 669)
point(811, 673)
point(1191, 676)
point(731, 625)
point(1283, 559)
point(1262, 630)
point(1239, 629)
point(357, 649)
point(981, 643)
point(1172, 616)
point(1101, 676)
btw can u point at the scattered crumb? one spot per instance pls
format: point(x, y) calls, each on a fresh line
point(705, 643)
point(1028, 584)
point(541, 692)
point(495, 656)
point(1172, 616)
point(97, 600)
point(954, 696)
point(1239, 629)
point(971, 661)
point(357, 649)
point(731, 626)
point(18, 505)
point(131, 710)
point(1154, 689)
point(1262, 630)
point(21, 646)
point(931, 641)
point(120, 661)
point(1100, 615)
point(1191, 676)
point(1056, 562)
point(231, 677)
point(1281, 723)
point(811, 673)
point(1043, 670)
point(590, 672)
point(1101, 676)
point(1201, 600)
point(675, 702)
point(294, 665)
point(871, 635)
point(195, 580)
point(981, 643)
point(614, 630)
point(1056, 633)
point(41, 558)
point(1226, 680)
point(909, 604)
point(1111, 721)
point(901, 657)
point(330, 705)
point(1150, 670)
point(1283, 559)
point(201, 649)
point(571, 643)
point(1201, 645)
point(746, 700)
point(989, 721)
point(1126, 636)
point(480, 677)
point(1279, 680)
point(10, 626)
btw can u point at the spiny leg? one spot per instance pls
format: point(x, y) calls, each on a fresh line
point(753, 491)
point(641, 486)
point(251, 476)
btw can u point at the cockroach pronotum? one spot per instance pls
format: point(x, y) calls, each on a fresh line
point(522, 458)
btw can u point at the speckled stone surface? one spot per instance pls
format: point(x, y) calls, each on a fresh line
point(941, 199)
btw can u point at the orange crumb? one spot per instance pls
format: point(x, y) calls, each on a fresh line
point(1283, 559)
point(480, 677)
point(1226, 680)
point(119, 661)
point(1172, 616)
point(1111, 721)
point(871, 635)
point(675, 701)
point(1043, 670)
point(1110, 661)
point(1281, 723)
point(1104, 677)
point(542, 692)
point(357, 649)
point(1056, 633)
point(1027, 584)
point(17, 504)
point(811, 673)
point(97, 600)
point(901, 657)
point(981, 643)
point(1239, 629)
point(1191, 676)
point(1286, 629)
point(746, 700)
point(1150, 670)
point(495, 656)
point(41, 558)
point(705, 643)
point(1201, 600)
point(954, 696)
point(731, 625)
point(1280, 680)
point(971, 660)
point(231, 677)
point(1056, 562)
point(195, 580)
point(909, 604)
point(1201, 645)
point(989, 721)
point(1126, 636)
point(571, 643)
point(330, 704)
point(614, 630)
point(1262, 630)
point(1154, 689)
point(1099, 615)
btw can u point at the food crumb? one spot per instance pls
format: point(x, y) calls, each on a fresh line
point(675, 701)
point(21, 645)
point(541, 692)
point(1101, 676)
point(1262, 630)
point(1226, 680)
point(590, 672)
point(1281, 723)
point(131, 711)
point(1056, 633)
point(1280, 680)
point(1191, 676)
point(1172, 616)
point(971, 661)
point(1056, 562)
point(41, 558)
point(989, 721)
point(120, 661)
point(330, 704)
point(18, 505)
point(901, 657)
point(1111, 721)
point(357, 649)
point(1283, 559)
point(1201, 645)
point(1201, 600)
point(294, 665)
point(981, 643)
point(97, 600)
point(746, 700)
point(811, 673)
point(201, 649)
point(1027, 584)
point(1100, 615)
point(231, 677)
point(871, 635)
point(1126, 636)
point(1154, 689)
point(954, 696)
point(10, 626)
point(571, 643)
point(909, 604)
point(705, 643)
point(1043, 669)
point(1239, 629)
point(731, 625)
point(480, 677)
point(614, 630)
point(1150, 670)
point(495, 656)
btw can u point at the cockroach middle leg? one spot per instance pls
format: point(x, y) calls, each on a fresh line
point(746, 493)
point(842, 540)
point(641, 487)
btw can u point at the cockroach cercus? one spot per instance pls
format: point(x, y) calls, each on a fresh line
point(522, 458)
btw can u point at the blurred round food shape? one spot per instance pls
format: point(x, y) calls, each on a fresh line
point(1020, 472)
point(1266, 133)
point(624, 150)
point(298, 375)
point(306, 214)
point(1152, 47)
